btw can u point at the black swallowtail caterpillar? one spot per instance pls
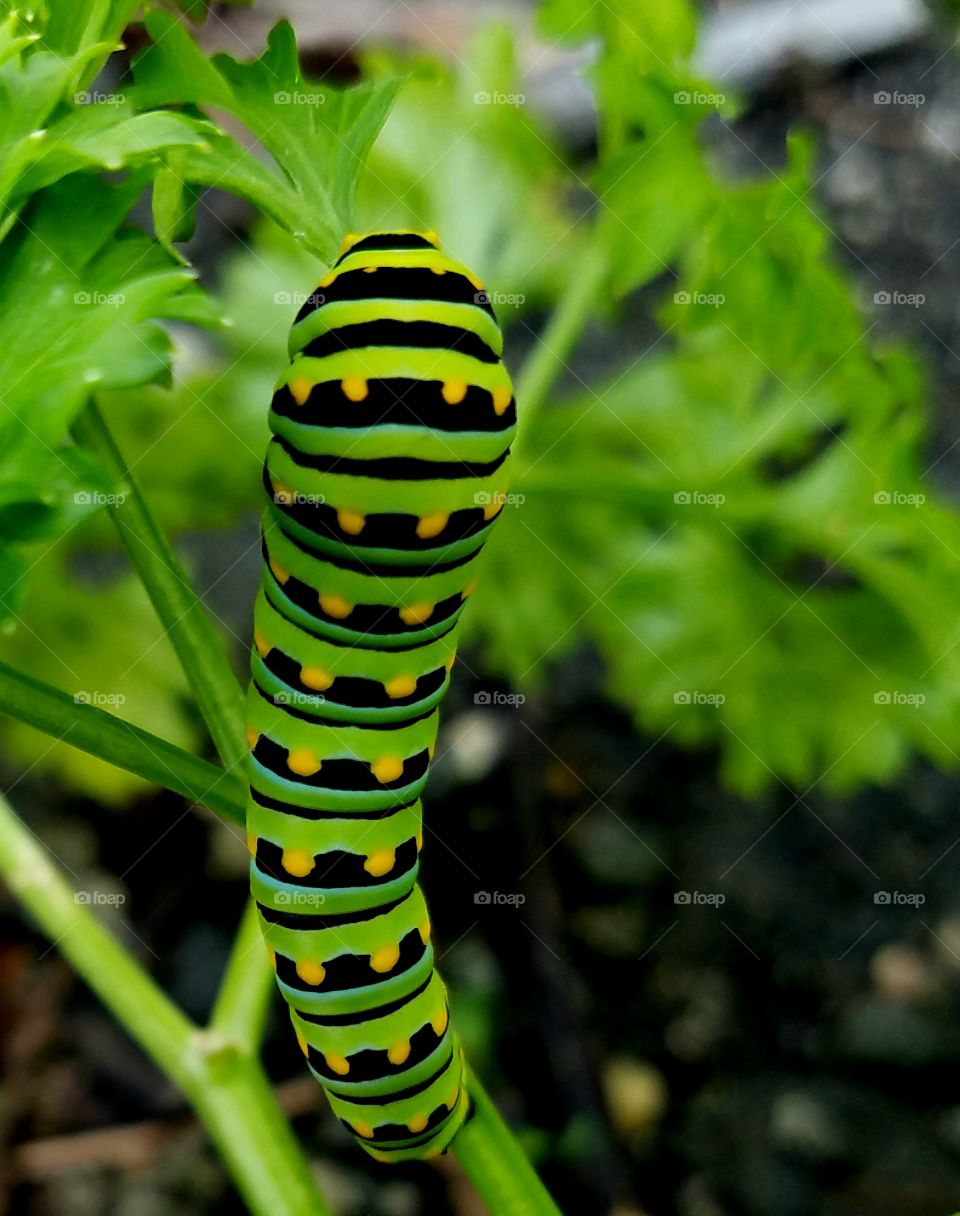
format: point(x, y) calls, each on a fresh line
point(391, 430)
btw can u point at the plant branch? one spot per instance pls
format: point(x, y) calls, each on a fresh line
point(557, 341)
point(129, 747)
point(222, 1080)
point(496, 1164)
point(184, 617)
point(243, 1000)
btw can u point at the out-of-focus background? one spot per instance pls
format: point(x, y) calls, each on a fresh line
point(692, 829)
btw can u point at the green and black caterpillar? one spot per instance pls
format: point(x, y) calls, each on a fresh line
point(388, 464)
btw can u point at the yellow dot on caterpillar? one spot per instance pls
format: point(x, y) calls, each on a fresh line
point(351, 522)
point(310, 972)
point(364, 1130)
point(469, 589)
point(417, 614)
point(431, 750)
point(451, 1099)
point(252, 736)
point(381, 862)
point(502, 396)
point(297, 862)
point(494, 508)
point(385, 959)
point(281, 573)
point(432, 236)
point(400, 686)
point(450, 662)
point(302, 1043)
point(348, 241)
point(315, 678)
point(369, 269)
point(335, 606)
point(272, 956)
point(419, 839)
point(418, 1123)
point(303, 762)
point(354, 388)
point(454, 391)
point(424, 931)
point(438, 269)
point(261, 643)
point(432, 525)
point(251, 844)
point(300, 390)
point(387, 768)
point(399, 1051)
point(338, 1064)
point(476, 282)
point(439, 1021)
point(282, 494)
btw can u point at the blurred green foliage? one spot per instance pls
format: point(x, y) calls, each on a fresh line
point(732, 513)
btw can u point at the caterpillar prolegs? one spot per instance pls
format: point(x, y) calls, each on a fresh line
point(391, 432)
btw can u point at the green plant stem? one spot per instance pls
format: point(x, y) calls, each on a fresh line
point(555, 344)
point(93, 730)
point(243, 1000)
point(497, 1165)
point(219, 695)
point(184, 617)
point(222, 1080)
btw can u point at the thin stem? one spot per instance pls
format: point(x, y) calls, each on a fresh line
point(93, 730)
point(184, 617)
point(243, 1000)
point(559, 338)
point(222, 1080)
point(497, 1165)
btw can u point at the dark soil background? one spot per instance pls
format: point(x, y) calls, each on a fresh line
point(784, 1043)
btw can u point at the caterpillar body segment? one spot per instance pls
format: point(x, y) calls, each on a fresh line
point(388, 464)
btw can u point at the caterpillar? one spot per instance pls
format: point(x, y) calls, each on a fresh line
point(386, 468)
